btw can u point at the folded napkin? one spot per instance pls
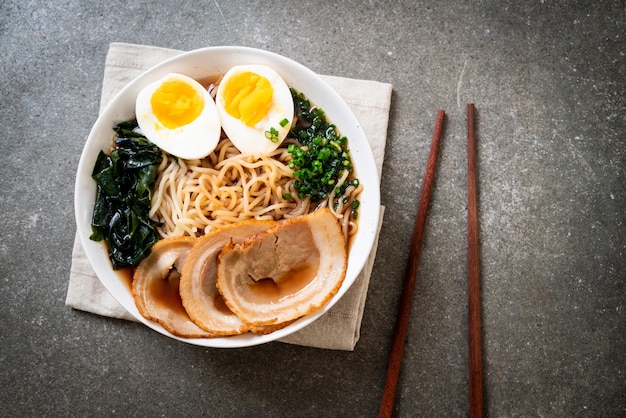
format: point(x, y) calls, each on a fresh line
point(339, 328)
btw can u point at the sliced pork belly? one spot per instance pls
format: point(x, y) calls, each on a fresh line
point(198, 290)
point(285, 272)
point(155, 287)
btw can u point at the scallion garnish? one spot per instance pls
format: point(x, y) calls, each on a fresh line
point(272, 134)
point(323, 155)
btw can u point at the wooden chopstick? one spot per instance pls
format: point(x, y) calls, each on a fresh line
point(404, 310)
point(473, 275)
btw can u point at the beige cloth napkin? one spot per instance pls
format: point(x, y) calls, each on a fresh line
point(340, 327)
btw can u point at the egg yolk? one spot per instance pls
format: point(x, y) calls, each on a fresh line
point(248, 97)
point(176, 103)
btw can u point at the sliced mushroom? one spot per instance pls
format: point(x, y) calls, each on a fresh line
point(198, 291)
point(156, 287)
point(285, 272)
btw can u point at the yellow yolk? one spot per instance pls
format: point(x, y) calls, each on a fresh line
point(176, 104)
point(255, 108)
point(248, 97)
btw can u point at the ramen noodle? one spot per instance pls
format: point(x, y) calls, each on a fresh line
point(192, 197)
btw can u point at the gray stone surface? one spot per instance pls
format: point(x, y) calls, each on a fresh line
point(548, 81)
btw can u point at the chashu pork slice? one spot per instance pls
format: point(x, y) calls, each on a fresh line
point(290, 270)
point(155, 287)
point(198, 290)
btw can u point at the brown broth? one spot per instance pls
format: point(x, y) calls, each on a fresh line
point(274, 290)
point(126, 276)
point(220, 305)
point(210, 79)
point(165, 293)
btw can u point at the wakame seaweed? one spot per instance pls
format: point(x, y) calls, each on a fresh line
point(323, 157)
point(125, 183)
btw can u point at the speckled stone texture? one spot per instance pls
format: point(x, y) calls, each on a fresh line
point(548, 81)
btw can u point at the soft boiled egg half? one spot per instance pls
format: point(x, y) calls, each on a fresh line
point(179, 116)
point(255, 108)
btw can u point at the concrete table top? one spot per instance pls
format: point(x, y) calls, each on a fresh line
point(548, 81)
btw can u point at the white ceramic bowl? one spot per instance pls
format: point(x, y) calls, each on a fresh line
point(199, 64)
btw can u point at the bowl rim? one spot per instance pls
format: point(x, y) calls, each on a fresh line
point(329, 99)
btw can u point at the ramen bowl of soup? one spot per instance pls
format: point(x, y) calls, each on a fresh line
point(230, 147)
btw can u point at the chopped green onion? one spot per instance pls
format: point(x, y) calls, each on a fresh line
point(284, 122)
point(355, 206)
point(272, 134)
point(336, 145)
point(322, 155)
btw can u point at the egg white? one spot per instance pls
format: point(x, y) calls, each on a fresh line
point(253, 139)
point(196, 139)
